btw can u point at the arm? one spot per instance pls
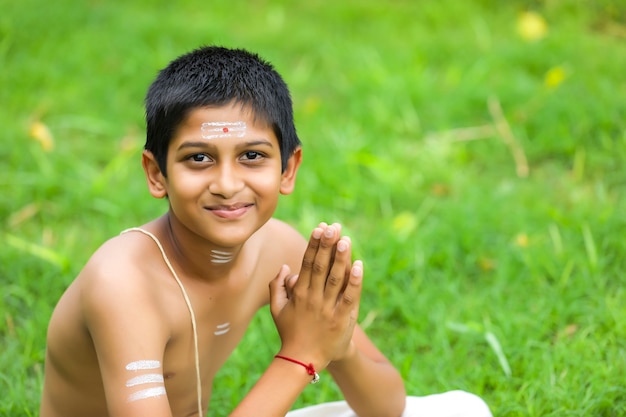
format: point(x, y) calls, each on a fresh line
point(129, 340)
point(275, 392)
point(370, 384)
point(315, 322)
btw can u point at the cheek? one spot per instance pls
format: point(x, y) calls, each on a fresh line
point(186, 185)
point(268, 182)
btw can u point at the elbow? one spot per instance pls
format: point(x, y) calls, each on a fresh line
point(396, 403)
point(392, 407)
point(397, 407)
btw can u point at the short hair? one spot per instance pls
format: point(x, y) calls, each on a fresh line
point(217, 76)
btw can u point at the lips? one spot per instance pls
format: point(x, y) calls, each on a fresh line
point(230, 211)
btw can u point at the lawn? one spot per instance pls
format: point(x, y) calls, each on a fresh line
point(473, 150)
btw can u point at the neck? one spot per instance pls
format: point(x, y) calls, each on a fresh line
point(222, 257)
point(196, 257)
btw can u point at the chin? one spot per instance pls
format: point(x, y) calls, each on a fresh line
point(233, 236)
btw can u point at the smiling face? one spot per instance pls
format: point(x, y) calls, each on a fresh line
point(223, 174)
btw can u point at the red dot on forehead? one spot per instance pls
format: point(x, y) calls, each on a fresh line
point(225, 130)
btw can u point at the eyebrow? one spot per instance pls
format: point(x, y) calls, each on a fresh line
point(204, 144)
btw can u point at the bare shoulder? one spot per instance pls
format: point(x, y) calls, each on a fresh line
point(122, 275)
point(119, 263)
point(283, 242)
point(274, 245)
point(282, 230)
point(124, 285)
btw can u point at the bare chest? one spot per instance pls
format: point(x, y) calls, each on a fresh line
point(219, 322)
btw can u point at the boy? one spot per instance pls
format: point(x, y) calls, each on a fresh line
point(156, 311)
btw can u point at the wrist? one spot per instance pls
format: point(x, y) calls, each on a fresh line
point(303, 355)
point(346, 359)
point(308, 367)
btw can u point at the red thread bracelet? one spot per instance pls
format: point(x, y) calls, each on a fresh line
point(310, 369)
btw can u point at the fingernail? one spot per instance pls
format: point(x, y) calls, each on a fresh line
point(342, 245)
point(317, 233)
point(357, 269)
point(329, 232)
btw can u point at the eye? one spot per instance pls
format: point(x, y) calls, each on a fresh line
point(199, 157)
point(252, 156)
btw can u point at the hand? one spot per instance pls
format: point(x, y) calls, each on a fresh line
point(290, 280)
point(315, 312)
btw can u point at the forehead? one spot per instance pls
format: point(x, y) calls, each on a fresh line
point(231, 121)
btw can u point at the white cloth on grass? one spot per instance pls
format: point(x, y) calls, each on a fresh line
point(447, 404)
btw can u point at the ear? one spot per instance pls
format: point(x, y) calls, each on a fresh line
point(154, 176)
point(288, 180)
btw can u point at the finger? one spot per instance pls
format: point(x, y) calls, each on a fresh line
point(348, 263)
point(337, 227)
point(304, 279)
point(278, 291)
point(323, 260)
point(338, 278)
point(290, 282)
point(350, 299)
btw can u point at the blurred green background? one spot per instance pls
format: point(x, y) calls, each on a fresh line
point(473, 150)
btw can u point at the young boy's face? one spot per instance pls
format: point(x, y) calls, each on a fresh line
point(223, 174)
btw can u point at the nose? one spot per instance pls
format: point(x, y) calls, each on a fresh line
point(226, 181)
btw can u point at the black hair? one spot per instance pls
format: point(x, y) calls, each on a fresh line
point(216, 76)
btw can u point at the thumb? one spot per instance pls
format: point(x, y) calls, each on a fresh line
point(278, 291)
point(290, 283)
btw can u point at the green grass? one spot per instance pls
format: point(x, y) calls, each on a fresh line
point(508, 286)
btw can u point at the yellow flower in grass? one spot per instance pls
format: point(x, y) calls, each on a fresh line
point(42, 134)
point(521, 240)
point(531, 26)
point(554, 77)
